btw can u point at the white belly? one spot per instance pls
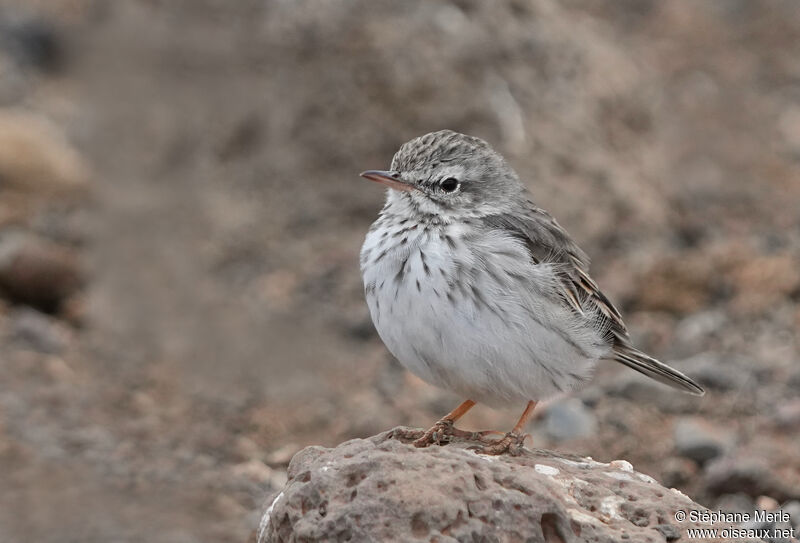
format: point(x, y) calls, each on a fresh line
point(475, 319)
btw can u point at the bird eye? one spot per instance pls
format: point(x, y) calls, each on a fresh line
point(450, 184)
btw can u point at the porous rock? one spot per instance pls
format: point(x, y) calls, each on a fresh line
point(385, 489)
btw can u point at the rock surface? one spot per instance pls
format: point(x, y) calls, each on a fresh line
point(382, 489)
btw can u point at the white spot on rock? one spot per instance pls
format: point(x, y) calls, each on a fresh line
point(646, 478)
point(622, 465)
point(618, 475)
point(262, 526)
point(578, 515)
point(586, 463)
point(679, 493)
point(546, 470)
point(609, 507)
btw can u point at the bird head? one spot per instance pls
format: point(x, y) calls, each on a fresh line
point(449, 175)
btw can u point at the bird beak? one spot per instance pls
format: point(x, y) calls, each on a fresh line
point(390, 179)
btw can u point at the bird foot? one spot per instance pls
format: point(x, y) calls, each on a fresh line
point(440, 434)
point(512, 443)
point(444, 430)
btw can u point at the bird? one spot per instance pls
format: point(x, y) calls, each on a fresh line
point(477, 290)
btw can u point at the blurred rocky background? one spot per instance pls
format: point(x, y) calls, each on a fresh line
point(181, 214)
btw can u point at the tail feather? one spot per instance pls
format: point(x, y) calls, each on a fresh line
point(659, 371)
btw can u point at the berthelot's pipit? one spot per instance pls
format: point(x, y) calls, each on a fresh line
point(475, 289)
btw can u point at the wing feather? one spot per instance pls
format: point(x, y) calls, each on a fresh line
point(548, 242)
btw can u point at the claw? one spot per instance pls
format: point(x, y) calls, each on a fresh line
point(438, 434)
point(512, 444)
point(442, 433)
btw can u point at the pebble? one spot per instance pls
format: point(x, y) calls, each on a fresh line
point(246, 448)
point(715, 373)
point(34, 42)
point(58, 370)
point(677, 471)
point(253, 470)
point(640, 389)
point(735, 503)
point(36, 157)
point(698, 441)
point(793, 509)
point(228, 507)
point(37, 272)
point(789, 127)
point(694, 329)
point(569, 419)
point(734, 475)
point(38, 331)
point(282, 455)
point(788, 414)
point(143, 403)
point(767, 503)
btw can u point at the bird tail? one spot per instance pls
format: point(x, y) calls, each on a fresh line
point(659, 371)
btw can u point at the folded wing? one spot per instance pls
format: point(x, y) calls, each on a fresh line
point(548, 242)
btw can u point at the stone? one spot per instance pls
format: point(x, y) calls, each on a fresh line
point(735, 503)
point(789, 127)
point(37, 272)
point(750, 476)
point(569, 419)
point(764, 281)
point(283, 455)
point(777, 525)
point(383, 488)
point(34, 42)
point(693, 329)
point(788, 415)
point(793, 509)
point(253, 470)
point(640, 389)
point(767, 503)
point(677, 471)
point(698, 441)
point(38, 331)
point(35, 156)
point(715, 372)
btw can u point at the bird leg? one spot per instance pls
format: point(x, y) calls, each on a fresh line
point(513, 440)
point(443, 430)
